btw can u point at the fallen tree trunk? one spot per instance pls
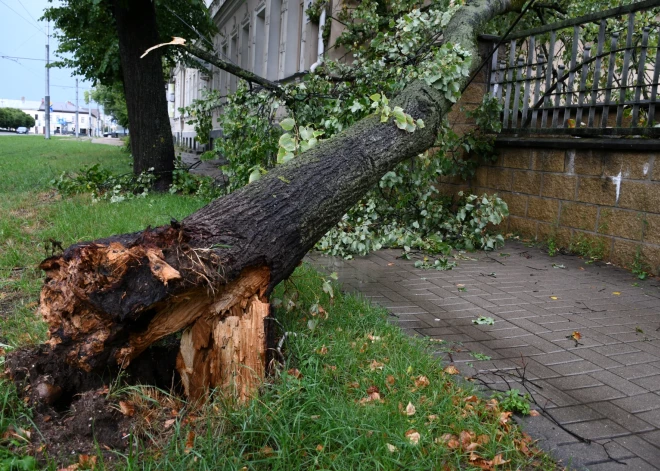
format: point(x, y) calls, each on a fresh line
point(210, 276)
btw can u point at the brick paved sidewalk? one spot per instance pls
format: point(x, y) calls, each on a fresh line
point(605, 389)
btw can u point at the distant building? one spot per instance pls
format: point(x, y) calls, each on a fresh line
point(63, 119)
point(272, 38)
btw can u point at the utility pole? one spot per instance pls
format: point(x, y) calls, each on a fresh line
point(89, 114)
point(77, 121)
point(47, 97)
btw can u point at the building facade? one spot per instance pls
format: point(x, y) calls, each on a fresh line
point(62, 117)
point(271, 38)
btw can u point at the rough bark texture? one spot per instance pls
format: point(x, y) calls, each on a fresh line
point(151, 137)
point(108, 300)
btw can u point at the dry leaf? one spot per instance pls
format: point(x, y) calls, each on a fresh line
point(314, 417)
point(190, 441)
point(576, 335)
point(390, 264)
point(372, 389)
point(554, 297)
point(87, 461)
point(174, 42)
point(373, 396)
point(376, 365)
point(413, 436)
point(451, 370)
point(432, 417)
point(390, 380)
point(391, 448)
point(534, 413)
point(353, 385)
point(168, 423)
point(127, 408)
point(616, 293)
point(422, 382)
point(266, 451)
point(410, 409)
point(323, 350)
point(295, 372)
point(504, 417)
point(472, 398)
point(319, 448)
point(373, 338)
point(492, 405)
point(71, 467)
point(497, 460)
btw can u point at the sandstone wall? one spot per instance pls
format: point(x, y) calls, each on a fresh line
point(606, 200)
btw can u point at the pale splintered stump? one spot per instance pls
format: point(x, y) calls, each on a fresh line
point(227, 353)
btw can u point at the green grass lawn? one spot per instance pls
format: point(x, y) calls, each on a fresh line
point(355, 393)
point(32, 214)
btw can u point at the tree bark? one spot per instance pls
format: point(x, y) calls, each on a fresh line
point(210, 276)
point(151, 136)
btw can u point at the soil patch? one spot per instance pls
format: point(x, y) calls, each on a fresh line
point(75, 413)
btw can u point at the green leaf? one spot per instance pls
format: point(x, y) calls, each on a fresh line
point(287, 142)
point(254, 175)
point(375, 97)
point(327, 287)
point(288, 124)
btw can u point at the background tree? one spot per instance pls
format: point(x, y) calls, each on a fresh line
point(12, 118)
point(113, 101)
point(102, 40)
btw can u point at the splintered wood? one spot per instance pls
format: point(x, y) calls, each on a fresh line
point(227, 353)
point(109, 303)
point(67, 297)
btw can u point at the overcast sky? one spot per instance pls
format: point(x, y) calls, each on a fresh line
point(21, 35)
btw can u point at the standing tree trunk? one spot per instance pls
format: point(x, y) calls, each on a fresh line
point(210, 276)
point(151, 136)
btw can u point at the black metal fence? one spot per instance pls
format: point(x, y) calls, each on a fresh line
point(589, 76)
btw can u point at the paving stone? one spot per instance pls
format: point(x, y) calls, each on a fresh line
point(622, 417)
point(596, 394)
point(627, 387)
point(641, 403)
point(642, 448)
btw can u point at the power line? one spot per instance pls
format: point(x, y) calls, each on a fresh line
point(26, 11)
point(24, 42)
point(22, 58)
point(26, 20)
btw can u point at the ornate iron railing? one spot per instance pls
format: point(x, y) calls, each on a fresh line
point(588, 76)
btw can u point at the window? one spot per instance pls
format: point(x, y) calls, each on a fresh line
point(245, 46)
point(274, 23)
point(234, 58)
point(82, 119)
point(259, 40)
point(224, 76)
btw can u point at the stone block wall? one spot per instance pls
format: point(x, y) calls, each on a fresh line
point(604, 199)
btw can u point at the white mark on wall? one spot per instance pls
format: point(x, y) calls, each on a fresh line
point(646, 167)
point(571, 162)
point(617, 182)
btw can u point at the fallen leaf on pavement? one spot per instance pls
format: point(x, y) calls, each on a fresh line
point(451, 370)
